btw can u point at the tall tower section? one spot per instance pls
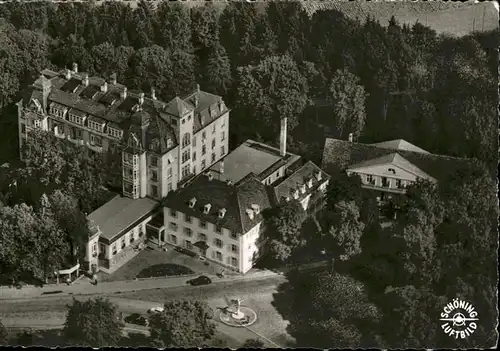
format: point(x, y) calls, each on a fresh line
point(181, 119)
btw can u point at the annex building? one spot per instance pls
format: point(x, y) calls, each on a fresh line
point(388, 167)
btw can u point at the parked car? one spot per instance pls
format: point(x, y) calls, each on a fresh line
point(157, 309)
point(201, 280)
point(136, 318)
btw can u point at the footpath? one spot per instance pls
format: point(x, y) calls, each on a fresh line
point(83, 286)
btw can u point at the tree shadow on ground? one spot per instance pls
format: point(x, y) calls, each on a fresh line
point(288, 301)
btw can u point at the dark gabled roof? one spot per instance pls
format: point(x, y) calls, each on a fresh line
point(236, 199)
point(71, 85)
point(343, 154)
point(297, 179)
point(90, 92)
point(128, 103)
point(110, 98)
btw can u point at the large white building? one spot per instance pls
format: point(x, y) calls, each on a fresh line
point(162, 144)
point(219, 215)
point(167, 142)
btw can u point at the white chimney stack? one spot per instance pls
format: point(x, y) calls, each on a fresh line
point(85, 80)
point(303, 188)
point(310, 182)
point(141, 98)
point(250, 213)
point(153, 93)
point(113, 78)
point(104, 87)
point(221, 167)
point(283, 137)
point(295, 194)
point(67, 74)
point(75, 67)
point(350, 137)
point(123, 94)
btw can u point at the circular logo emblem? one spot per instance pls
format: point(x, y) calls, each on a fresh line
point(459, 319)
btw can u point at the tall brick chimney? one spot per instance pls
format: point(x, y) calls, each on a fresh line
point(283, 137)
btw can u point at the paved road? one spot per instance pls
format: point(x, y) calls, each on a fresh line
point(258, 294)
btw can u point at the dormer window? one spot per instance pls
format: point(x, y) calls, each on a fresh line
point(169, 143)
point(96, 125)
point(309, 183)
point(75, 119)
point(295, 194)
point(303, 189)
point(37, 123)
point(222, 212)
point(115, 133)
point(318, 176)
point(206, 208)
point(192, 202)
point(250, 213)
point(256, 209)
point(391, 170)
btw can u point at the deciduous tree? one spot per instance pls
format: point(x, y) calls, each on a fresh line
point(85, 323)
point(284, 225)
point(183, 323)
point(348, 99)
point(346, 229)
point(272, 90)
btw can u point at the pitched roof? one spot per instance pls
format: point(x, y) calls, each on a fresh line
point(297, 179)
point(400, 144)
point(177, 107)
point(396, 160)
point(343, 154)
point(118, 214)
point(236, 199)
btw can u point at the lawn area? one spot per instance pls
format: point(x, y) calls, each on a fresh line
point(164, 269)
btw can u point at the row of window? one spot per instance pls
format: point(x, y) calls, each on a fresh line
point(116, 133)
point(215, 254)
point(203, 237)
point(123, 242)
point(202, 224)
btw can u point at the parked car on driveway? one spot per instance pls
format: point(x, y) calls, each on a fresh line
point(201, 280)
point(136, 318)
point(157, 309)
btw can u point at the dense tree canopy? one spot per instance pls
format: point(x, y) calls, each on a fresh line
point(183, 323)
point(323, 72)
point(94, 323)
point(284, 229)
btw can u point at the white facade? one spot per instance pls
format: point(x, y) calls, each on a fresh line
point(184, 231)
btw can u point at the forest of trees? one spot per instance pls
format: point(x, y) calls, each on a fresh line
point(395, 81)
point(329, 75)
